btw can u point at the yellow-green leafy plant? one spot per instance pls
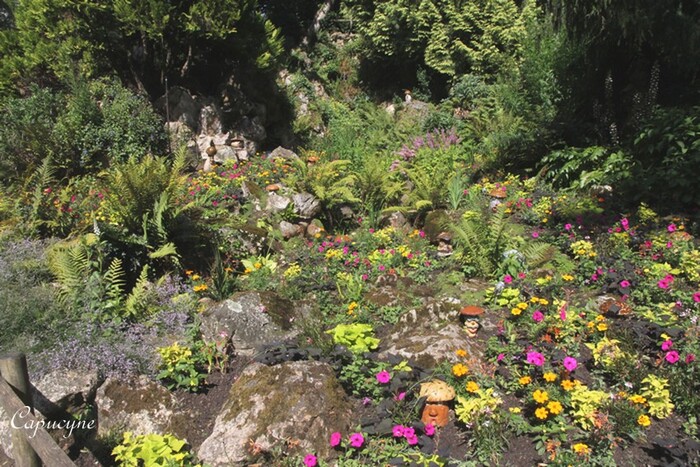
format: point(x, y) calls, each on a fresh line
point(585, 404)
point(658, 396)
point(152, 450)
point(350, 286)
point(358, 338)
point(606, 352)
point(180, 367)
point(468, 409)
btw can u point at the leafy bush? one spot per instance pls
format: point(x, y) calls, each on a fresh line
point(587, 167)
point(84, 129)
point(667, 156)
point(358, 338)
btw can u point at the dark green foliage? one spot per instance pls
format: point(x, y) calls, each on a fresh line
point(667, 157)
point(84, 129)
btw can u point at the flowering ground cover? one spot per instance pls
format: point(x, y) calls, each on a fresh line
point(586, 350)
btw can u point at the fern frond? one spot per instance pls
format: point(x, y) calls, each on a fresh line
point(136, 305)
point(115, 280)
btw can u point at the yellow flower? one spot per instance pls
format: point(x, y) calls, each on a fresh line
point(540, 396)
point(581, 448)
point(514, 410)
point(196, 277)
point(644, 420)
point(600, 318)
point(516, 311)
point(602, 327)
point(200, 288)
point(555, 407)
point(549, 377)
point(567, 277)
point(257, 265)
point(637, 399)
point(247, 271)
point(525, 380)
point(472, 386)
point(544, 302)
point(461, 353)
point(522, 305)
point(459, 370)
point(189, 272)
point(567, 385)
point(541, 413)
point(534, 300)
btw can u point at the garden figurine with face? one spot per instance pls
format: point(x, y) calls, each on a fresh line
point(470, 316)
point(438, 395)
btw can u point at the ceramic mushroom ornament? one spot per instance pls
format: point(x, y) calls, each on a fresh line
point(438, 395)
point(470, 315)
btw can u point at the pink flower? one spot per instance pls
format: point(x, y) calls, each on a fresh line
point(357, 440)
point(365, 277)
point(382, 267)
point(537, 316)
point(397, 431)
point(666, 345)
point(671, 227)
point(535, 358)
point(624, 284)
point(625, 223)
point(500, 357)
point(521, 275)
point(409, 432)
point(567, 227)
point(400, 396)
point(421, 234)
point(535, 234)
point(562, 313)
point(383, 377)
point(690, 358)
point(310, 460)
point(371, 231)
point(429, 429)
point(696, 297)
point(507, 278)
point(412, 440)
point(336, 438)
point(664, 283)
point(672, 356)
point(570, 363)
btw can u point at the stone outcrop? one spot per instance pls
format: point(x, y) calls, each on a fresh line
point(297, 403)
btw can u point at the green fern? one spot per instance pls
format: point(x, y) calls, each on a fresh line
point(136, 304)
point(71, 265)
point(41, 179)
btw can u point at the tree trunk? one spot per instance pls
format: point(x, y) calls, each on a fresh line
point(315, 27)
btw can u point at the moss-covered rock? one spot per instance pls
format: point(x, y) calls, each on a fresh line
point(293, 404)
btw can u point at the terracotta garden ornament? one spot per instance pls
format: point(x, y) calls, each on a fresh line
point(470, 316)
point(438, 396)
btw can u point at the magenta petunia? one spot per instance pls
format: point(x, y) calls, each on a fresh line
point(535, 358)
point(696, 297)
point(625, 223)
point(397, 431)
point(624, 284)
point(567, 227)
point(537, 316)
point(357, 440)
point(690, 358)
point(429, 429)
point(336, 438)
point(383, 377)
point(413, 440)
point(310, 460)
point(671, 227)
point(672, 356)
point(666, 345)
point(570, 363)
point(507, 278)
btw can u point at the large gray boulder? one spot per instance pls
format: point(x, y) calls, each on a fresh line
point(65, 391)
point(141, 406)
point(306, 205)
point(300, 402)
point(252, 319)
